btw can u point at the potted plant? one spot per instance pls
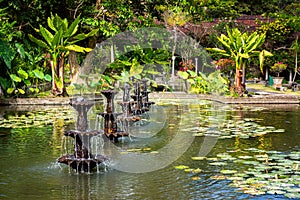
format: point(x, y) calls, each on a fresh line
point(278, 68)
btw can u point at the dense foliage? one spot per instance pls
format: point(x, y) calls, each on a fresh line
point(25, 68)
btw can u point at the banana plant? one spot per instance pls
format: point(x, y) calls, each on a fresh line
point(241, 47)
point(58, 41)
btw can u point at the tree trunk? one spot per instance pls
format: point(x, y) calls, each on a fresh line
point(173, 53)
point(238, 87)
point(60, 76)
point(53, 72)
point(112, 53)
point(243, 75)
point(74, 67)
point(1, 92)
point(296, 66)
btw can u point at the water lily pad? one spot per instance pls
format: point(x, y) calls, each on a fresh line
point(197, 170)
point(293, 190)
point(181, 167)
point(240, 184)
point(245, 157)
point(250, 162)
point(265, 176)
point(287, 185)
point(226, 137)
point(198, 134)
point(212, 159)
point(261, 159)
point(241, 174)
point(252, 180)
point(253, 191)
point(227, 171)
point(293, 195)
point(195, 178)
point(273, 152)
point(218, 177)
point(278, 131)
point(187, 170)
point(198, 158)
point(218, 163)
point(235, 178)
point(276, 192)
point(254, 150)
point(134, 150)
point(296, 177)
point(223, 155)
point(248, 124)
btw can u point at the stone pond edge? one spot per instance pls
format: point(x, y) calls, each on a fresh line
point(255, 99)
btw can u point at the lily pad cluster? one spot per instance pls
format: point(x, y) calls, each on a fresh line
point(37, 118)
point(236, 128)
point(223, 121)
point(260, 172)
point(193, 171)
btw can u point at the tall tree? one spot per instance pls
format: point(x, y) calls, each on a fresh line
point(174, 18)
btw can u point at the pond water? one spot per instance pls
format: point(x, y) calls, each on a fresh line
point(216, 152)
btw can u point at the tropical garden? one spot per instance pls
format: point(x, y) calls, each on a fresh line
point(179, 148)
point(44, 43)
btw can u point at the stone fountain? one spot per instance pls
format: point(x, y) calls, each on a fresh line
point(145, 96)
point(110, 117)
point(82, 159)
point(140, 97)
point(88, 144)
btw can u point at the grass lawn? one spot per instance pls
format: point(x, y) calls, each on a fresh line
point(264, 88)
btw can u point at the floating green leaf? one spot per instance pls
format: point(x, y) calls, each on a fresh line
point(198, 158)
point(218, 163)
point(227, 171)
point(181, 167)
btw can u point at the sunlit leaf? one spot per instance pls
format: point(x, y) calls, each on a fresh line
point(15, 78)
point(21, 91)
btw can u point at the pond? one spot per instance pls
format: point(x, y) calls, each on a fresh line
point(202, 150)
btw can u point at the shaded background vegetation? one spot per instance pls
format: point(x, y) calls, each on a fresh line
point(206, 19)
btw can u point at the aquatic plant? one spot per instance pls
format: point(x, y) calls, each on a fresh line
point(38, 118)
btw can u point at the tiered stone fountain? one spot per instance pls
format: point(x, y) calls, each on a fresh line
point(110, 117)
point(145, 96)
point(141, 99)
point(83, 159)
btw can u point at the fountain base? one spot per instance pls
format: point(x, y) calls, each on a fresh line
point(82, 159)
point(83, 164)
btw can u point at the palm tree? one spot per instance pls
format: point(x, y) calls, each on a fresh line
point(58, 46)
point(240, 47)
